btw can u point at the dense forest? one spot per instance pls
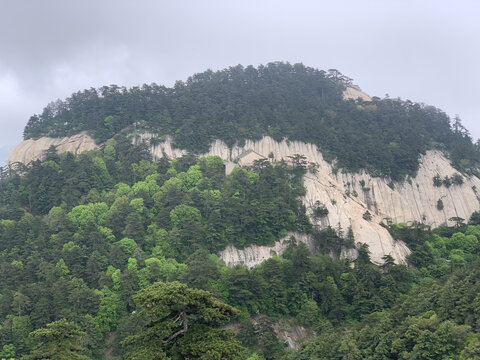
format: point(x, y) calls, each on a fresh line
point(385, 136)
point(109, 255)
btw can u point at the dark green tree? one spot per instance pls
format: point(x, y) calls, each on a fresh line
point(181, 323)
point(60, 340)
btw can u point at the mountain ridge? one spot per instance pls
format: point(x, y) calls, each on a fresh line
point(280, 100)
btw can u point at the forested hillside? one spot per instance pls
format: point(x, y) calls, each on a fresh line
point(111, 255)
point(280, 100)
point(87, 242)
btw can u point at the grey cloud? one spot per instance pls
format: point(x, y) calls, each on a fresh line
point(424, 51)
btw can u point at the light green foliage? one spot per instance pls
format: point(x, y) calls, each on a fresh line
point(132, 264)
point(171, 184)
point(149, 185)
point(127, 245)
point(426, 338)
point(179, 218)
point(213, 195)
point(138, 205)
point(93, 196)
point(161, 269)
point(473, 230)
point(5, 225)
point(8, 352)
point(251, 176)
point(122, 190)
point(191, 178)
point(116, 280)
point(82, 215)
point(52, 165)
point(17, 264)
point(62, 268)
point(157, 240)
point(438, 243)
point(468, 243)
point(308, 313)
point(143, 169)
point(109, 311)
point(109, 121)
point(109, 152)
point(212, 162)
point(255, 357)
point(471, 351)
point(457, 257)
point(182, 215)
point(70, 247)
point(107, 233)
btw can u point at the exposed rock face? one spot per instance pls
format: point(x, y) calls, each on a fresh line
point(354, 92)
point(347, 200)
point(346, 196)
point(31, 150)
point(253, 255)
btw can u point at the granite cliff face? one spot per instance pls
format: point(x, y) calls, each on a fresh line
point(253, 255)
point(347, 196)
point(31, 150)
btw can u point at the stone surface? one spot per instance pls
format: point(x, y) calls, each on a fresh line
point(254, 255)
point(31, 150)
point(354, 92)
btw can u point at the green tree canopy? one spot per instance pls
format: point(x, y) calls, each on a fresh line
point(181, 323)
point(60, 340)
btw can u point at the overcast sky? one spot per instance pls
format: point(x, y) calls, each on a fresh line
point(425, 51)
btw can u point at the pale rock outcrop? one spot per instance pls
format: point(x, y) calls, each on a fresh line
point(31, 150)
point(354, 92)
point(254, 255)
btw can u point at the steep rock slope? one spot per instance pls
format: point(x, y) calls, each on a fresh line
point(31, 150)
point(354, 92)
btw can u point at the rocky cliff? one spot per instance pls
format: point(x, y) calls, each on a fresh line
point(347, 196)
point(354, 92)
point(31, 150)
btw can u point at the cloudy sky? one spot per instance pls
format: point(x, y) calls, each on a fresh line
point(425, 51)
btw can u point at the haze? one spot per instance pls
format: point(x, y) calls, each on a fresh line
point(423, 51)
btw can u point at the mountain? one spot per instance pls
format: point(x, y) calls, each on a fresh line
point(375, 156)
point(283, 101)
point(276, 212)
